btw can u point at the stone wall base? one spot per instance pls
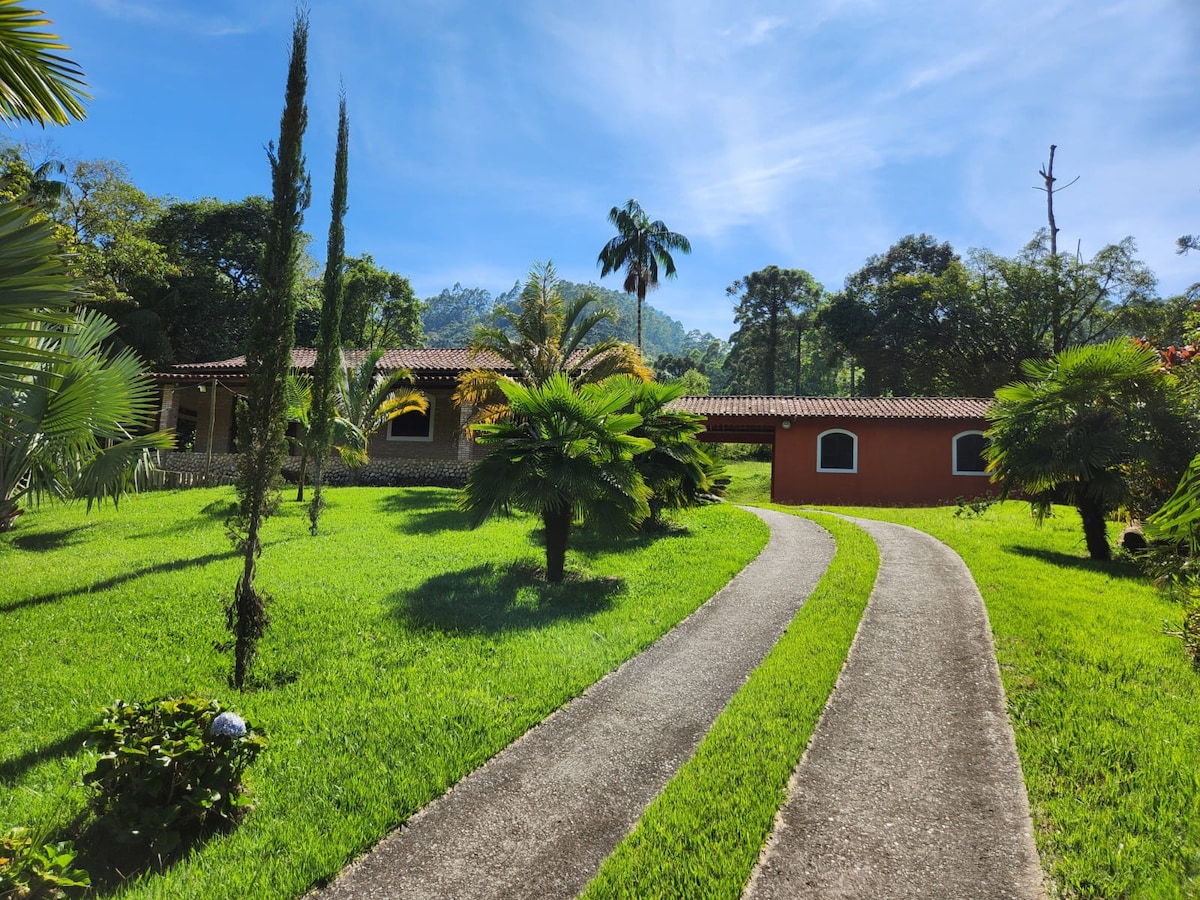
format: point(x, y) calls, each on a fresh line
point(376, 473)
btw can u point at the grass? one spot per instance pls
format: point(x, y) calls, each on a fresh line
point(403, 652)
point(1105, 707)
point(749, 482)
point(702, 836)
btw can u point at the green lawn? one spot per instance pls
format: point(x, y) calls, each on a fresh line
point(749, 482)
point(1106, 708)
point(403, 651)
point(702, 836)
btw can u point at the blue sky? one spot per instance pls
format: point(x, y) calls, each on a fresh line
point(487, 135)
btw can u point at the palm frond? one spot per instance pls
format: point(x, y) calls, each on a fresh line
point(37, 85)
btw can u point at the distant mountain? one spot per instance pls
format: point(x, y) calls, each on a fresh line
point(450, 318)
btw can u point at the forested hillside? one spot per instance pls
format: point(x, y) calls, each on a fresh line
point(449, 319)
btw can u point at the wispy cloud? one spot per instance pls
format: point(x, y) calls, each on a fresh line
point(755, 32)
point(485, 136)
point(192, 18)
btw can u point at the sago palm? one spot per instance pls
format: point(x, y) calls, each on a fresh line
point(70, 424)
point(1088, 424)
point(677, 469)
point(545, 337)
point(565, 454)
point(640, 248)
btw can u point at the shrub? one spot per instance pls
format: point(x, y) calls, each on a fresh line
point(974, 507)
point(1189, 629)
point(169, 770)
point(32, 870)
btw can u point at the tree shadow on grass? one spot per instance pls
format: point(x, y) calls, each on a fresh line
point(424, 512)
point(49, 540)
point(1117, 568)
point(112, 861)
point(12, 769)
point(592, 543)
point(490, 599)
point(116, 580)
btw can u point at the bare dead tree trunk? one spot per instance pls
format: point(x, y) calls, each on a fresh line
point(1047, 173)
point(1060, 334)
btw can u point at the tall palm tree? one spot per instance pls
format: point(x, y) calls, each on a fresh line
point(69, 424)
point(365, 400)
point(1088, 424)
point(640, 248)
point(545, 337)
point(565, 454)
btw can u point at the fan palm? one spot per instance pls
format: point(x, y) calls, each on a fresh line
point(640, 248)
point(36, 293)
point(1089, 423)
point(69, 424)
point(565, 454)
point(544, 337)
point(38, 86)
point(365, 401)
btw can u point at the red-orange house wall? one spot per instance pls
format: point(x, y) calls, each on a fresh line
point(901, 462)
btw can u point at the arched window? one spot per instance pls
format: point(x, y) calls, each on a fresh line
point(837, 451)
point(968, 453)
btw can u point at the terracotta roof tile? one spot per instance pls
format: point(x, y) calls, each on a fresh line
point(449, 361)
point(841, 407)
point(432, 359)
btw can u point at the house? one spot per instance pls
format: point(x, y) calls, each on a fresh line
point(870, 451)
point(198, 400)
point(862, 451)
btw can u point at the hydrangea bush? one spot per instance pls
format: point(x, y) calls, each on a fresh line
point(170, 769)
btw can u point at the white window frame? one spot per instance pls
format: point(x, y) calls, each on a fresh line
point(425, 438)
point(954, 454)
point(854, 451)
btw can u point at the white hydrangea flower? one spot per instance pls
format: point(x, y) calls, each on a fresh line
point(227, 724)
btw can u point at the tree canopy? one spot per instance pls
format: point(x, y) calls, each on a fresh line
point(381, 310)
point(773, 311)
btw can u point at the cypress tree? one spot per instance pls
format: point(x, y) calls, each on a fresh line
point(329, 356)
point(263, 415)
